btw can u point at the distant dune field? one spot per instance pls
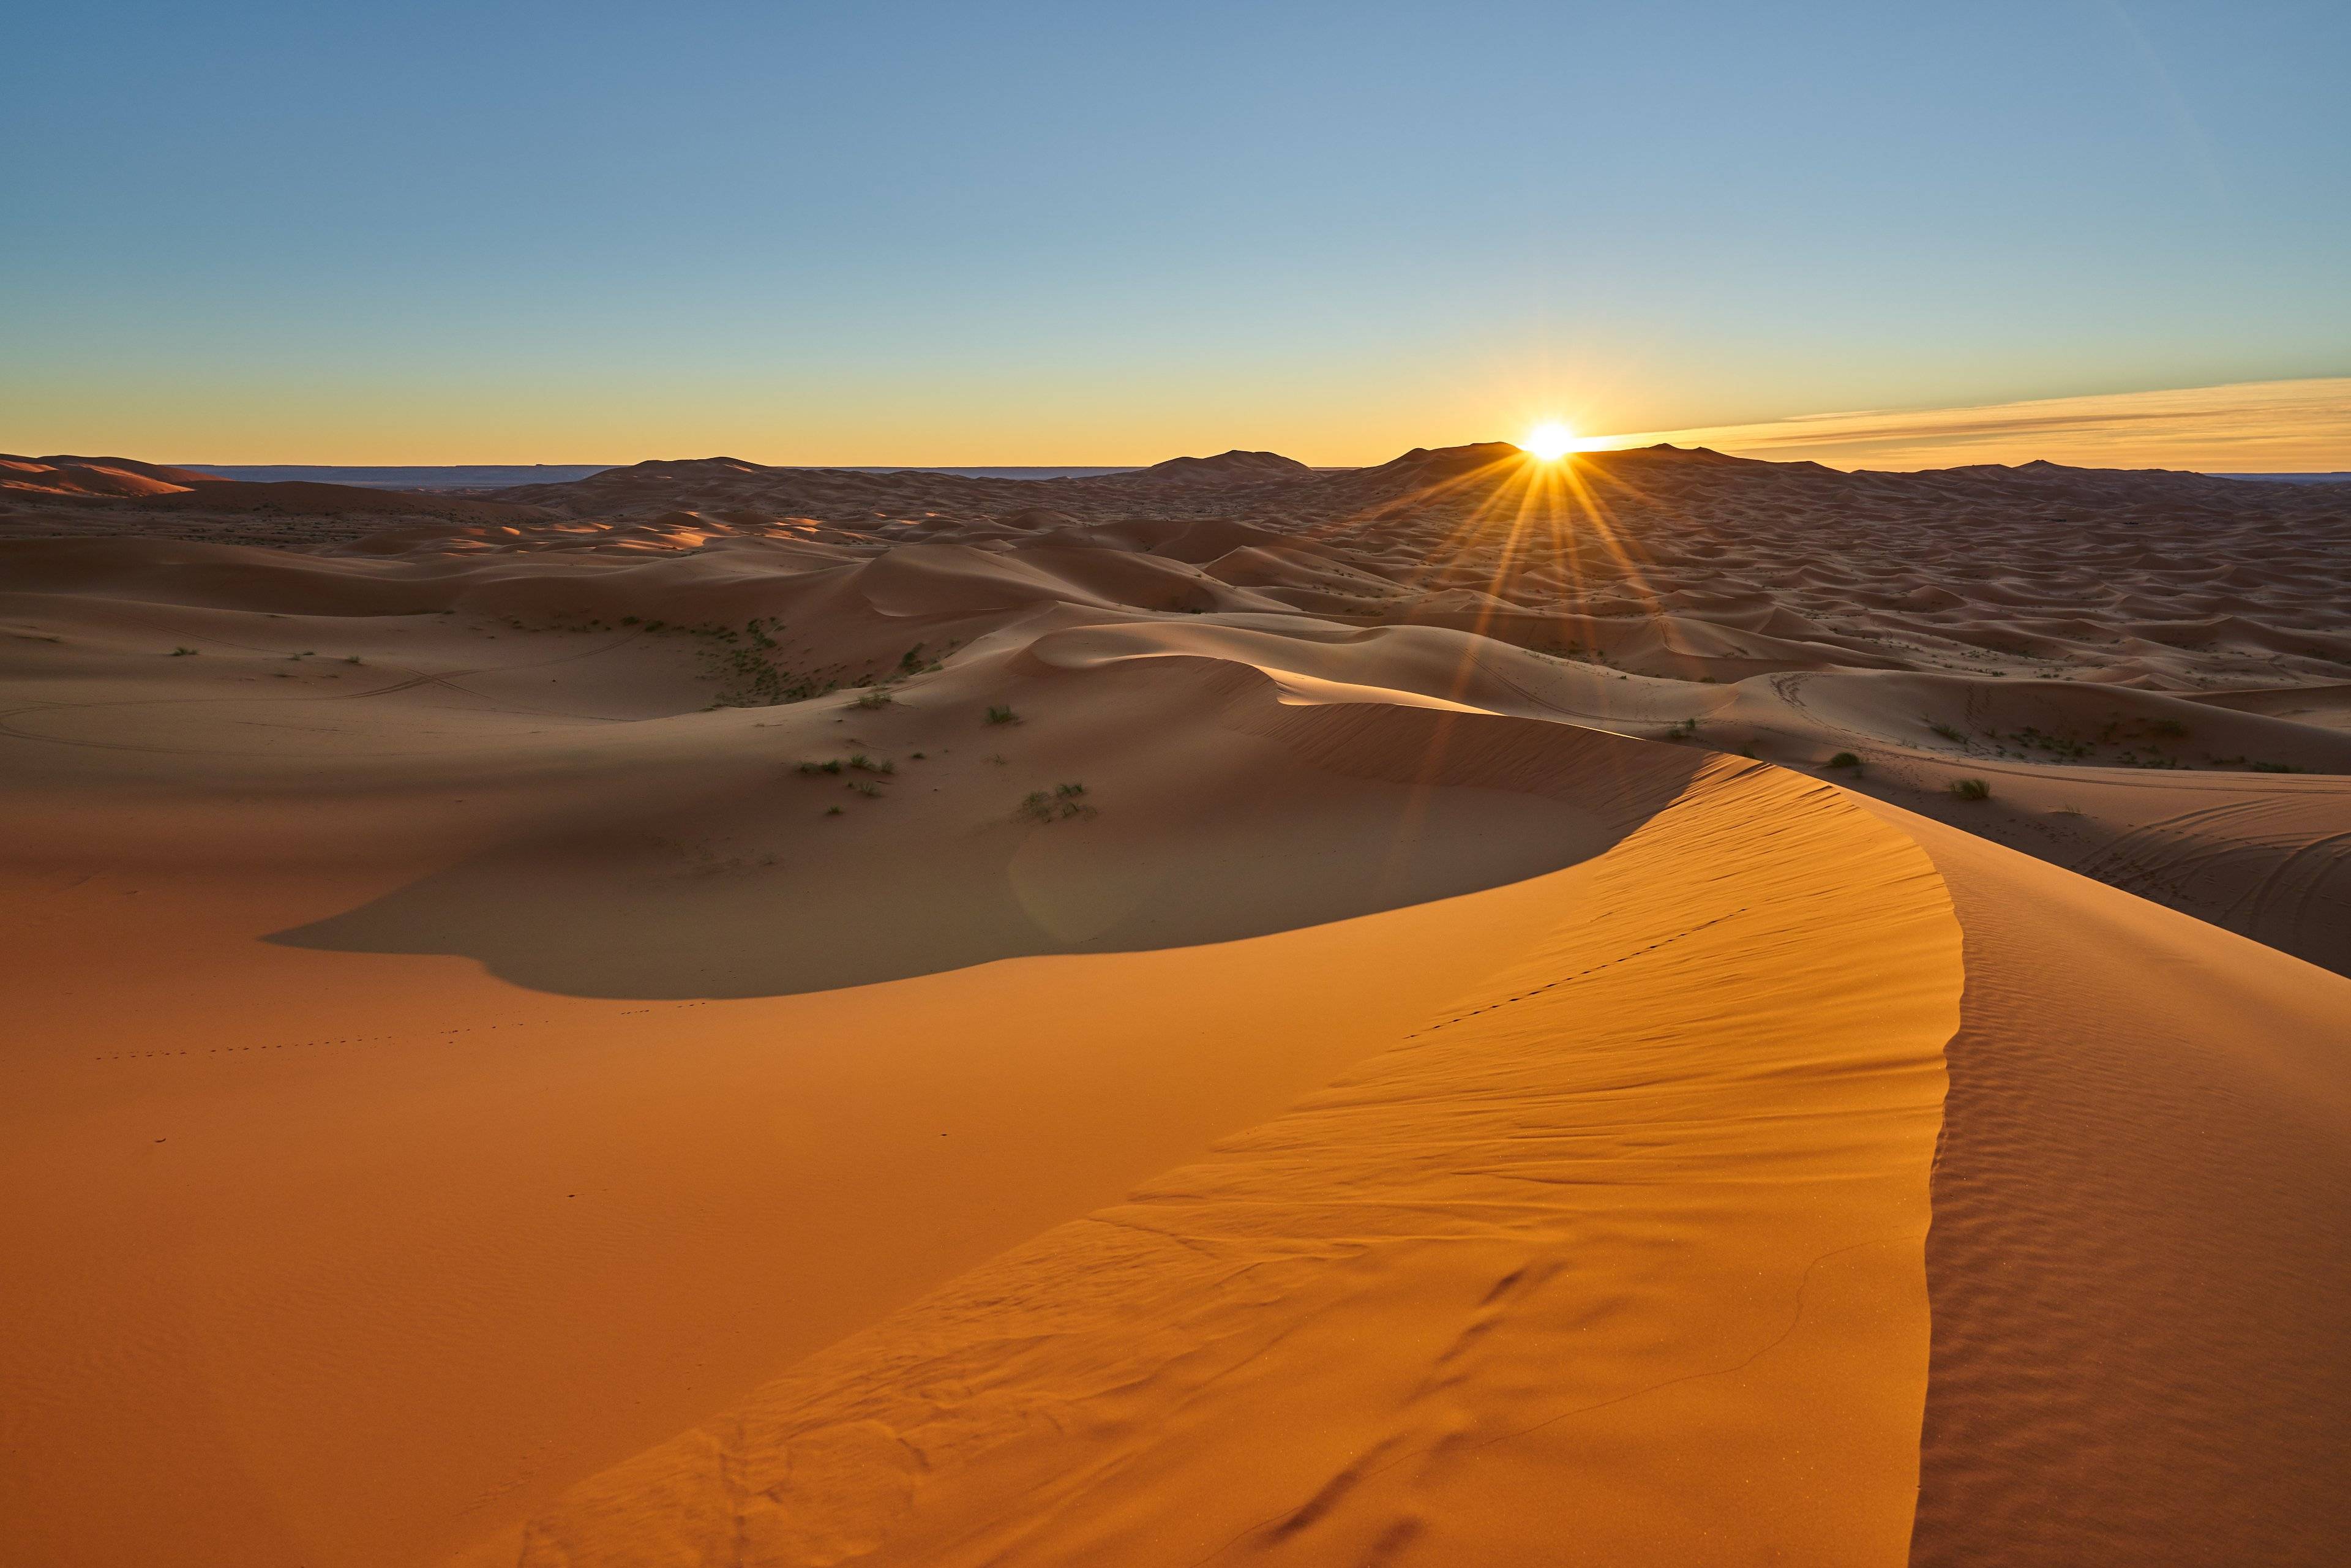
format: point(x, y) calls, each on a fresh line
point(1667, 1008)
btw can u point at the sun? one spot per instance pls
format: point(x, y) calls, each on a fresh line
point(1549, 441)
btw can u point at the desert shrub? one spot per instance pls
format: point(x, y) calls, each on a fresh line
point(999, 715)
point(1846, 760)
point(877, 698)
point(1056, 805)
point(182, 653)
point(1971, 789)
point(749, 676)
point(1947, 733)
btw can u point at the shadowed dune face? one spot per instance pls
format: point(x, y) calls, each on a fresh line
point(1190, 766)
point(729, 1015)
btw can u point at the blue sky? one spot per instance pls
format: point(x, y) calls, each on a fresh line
point(939, 234)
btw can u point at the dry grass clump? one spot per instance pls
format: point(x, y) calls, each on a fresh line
point(1057, 805)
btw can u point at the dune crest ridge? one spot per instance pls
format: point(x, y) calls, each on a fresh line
point(2149, 1124)
point(1612, 1227)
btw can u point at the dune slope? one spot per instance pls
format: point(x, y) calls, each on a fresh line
point(2139, 1355)
point(1622, 1243)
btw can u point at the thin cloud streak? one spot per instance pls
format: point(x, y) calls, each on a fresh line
point(2256, 427)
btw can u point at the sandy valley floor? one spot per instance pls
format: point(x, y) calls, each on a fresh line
point(1440, 1014)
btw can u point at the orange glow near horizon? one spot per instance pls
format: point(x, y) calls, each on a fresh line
point(390, 420)
point(1550, 441)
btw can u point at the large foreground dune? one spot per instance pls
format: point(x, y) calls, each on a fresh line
point(727, 1016)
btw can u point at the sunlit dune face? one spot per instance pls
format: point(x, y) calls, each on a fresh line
point(1549, 441)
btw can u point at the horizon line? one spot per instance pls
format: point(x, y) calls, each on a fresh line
point(2291, 426)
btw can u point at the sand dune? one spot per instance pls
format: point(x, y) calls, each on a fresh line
point(115, 496)
point(121, 477)
point(1667, 1279)
point(2144, 1114)
point(1440, 1014)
